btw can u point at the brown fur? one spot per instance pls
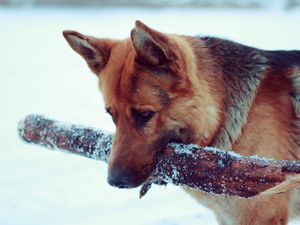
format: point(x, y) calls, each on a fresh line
point(188, 90)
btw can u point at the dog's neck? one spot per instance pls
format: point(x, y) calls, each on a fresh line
point(236, 75)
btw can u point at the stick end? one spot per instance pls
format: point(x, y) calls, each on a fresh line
point(21, 128)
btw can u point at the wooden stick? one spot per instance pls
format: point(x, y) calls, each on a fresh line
point(205, 169)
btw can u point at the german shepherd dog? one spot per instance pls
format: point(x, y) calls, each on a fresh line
point(160, 88)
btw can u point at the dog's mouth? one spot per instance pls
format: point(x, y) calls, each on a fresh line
point(132, 177)
point(181, 137)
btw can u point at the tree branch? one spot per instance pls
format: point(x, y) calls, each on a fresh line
point(205, 169)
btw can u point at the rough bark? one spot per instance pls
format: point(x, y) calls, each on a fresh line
point(205, 169)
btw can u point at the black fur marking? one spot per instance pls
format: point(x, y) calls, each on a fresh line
point(163, 95)
point(242, 69)
point(281, 60)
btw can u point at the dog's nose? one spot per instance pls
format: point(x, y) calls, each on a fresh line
point(120, 179)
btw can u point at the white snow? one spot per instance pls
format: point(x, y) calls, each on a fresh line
point(182, 149)
point(39, 73)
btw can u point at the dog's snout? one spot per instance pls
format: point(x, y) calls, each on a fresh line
point(120, 179)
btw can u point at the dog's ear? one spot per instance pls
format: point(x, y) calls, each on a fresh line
point(95, 51)
point(152, 47)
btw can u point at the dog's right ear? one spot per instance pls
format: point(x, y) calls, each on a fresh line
point(95, 51)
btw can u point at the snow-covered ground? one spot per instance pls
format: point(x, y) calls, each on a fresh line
point(40, 74)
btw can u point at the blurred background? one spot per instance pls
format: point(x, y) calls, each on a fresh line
point(39, 73)
point(285, 4)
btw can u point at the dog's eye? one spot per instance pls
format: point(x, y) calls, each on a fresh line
point(141, 117)
point(147, 114)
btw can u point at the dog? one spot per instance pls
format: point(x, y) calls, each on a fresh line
point(161, 88)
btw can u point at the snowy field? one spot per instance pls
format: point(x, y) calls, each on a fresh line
point(40, 74)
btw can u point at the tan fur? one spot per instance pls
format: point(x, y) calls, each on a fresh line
point(187, 93)
point(267, 133)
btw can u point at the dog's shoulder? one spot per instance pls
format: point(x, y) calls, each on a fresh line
point(241, 68)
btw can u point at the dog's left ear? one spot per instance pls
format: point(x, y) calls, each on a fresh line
point(95, 51)
point(152, 47)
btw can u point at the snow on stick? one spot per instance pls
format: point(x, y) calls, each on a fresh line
point(74, 139)
point(205, 169)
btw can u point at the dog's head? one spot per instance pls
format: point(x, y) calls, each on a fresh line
point(154, 93)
